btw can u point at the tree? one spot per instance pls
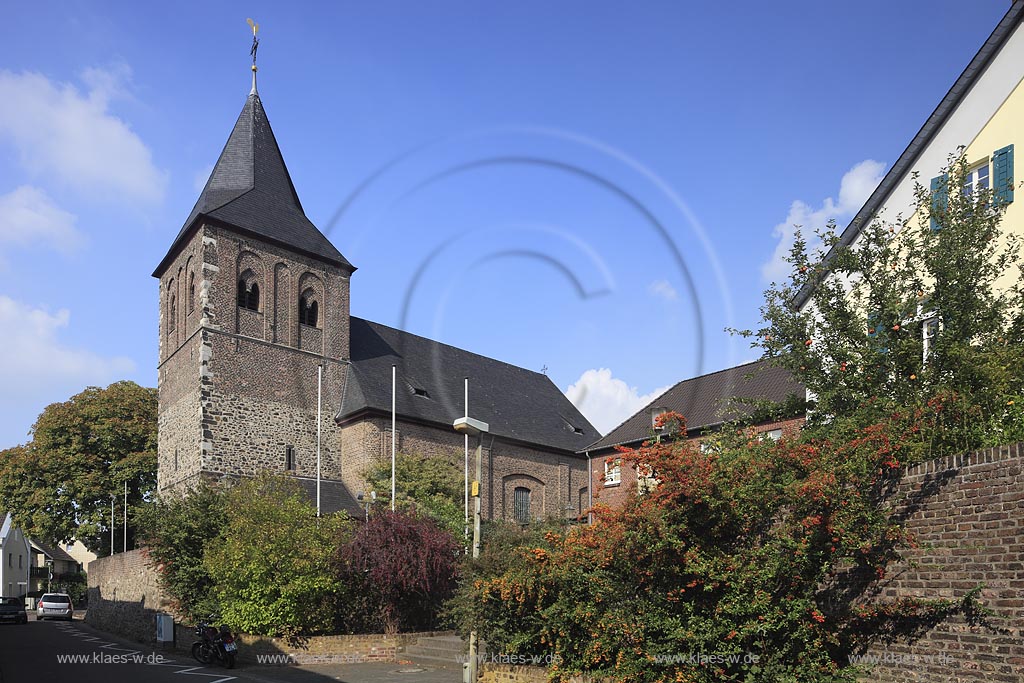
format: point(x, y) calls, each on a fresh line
point(59, 486)
point(272, 570)
point(404, 566)
point(177, 532)
point(432, 486)
point(928, 307)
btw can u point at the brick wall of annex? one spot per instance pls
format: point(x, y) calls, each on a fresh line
point(554, 479)
point(967, 516)
point(616, 495)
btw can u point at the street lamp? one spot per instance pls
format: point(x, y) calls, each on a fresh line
point(471, 427)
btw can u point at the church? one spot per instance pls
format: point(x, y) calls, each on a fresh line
point(257, 342)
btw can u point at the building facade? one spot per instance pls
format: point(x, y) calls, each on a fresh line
point(707, 402)
point(261, 366)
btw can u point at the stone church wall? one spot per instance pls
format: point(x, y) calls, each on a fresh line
point(554, 479)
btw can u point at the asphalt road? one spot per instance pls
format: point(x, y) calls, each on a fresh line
point(71, 651)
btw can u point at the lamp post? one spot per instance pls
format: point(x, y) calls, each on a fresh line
point(471, 427)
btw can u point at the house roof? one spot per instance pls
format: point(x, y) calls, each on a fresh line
point(334, 496)
point(250, 190)
point(931, 127)
point(701, 400)
point(516, 403)
point(54, 553)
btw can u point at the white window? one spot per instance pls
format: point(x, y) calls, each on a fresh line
point(977, 179)
point(612, 471)
point(929, 331)
point(774, 434)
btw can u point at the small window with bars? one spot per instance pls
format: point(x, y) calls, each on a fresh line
point(521, 505)
point(289, 458)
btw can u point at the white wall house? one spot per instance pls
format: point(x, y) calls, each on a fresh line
point(15, 559)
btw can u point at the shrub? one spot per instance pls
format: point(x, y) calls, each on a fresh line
point(272, 568)
point(403, 566)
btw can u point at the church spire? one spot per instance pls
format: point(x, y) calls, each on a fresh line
point(255, 46)
point(251, 190)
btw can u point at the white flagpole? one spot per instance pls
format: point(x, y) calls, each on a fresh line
point(465, 478)
point(319, 389)
point(394, 385)
point(125, 515)
point(111, 525)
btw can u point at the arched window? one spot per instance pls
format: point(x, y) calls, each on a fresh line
point(191, 292)
point(172, 305)
point(248, 297)
point(308, 310)
point(521, 505)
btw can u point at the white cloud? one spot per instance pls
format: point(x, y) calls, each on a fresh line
point(663, 289)
point(854, 189)
point(61, 132)
point(607, 401)
point(28, 217)
point(37, 367)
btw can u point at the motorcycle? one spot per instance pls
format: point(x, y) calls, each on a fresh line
point(214, 644)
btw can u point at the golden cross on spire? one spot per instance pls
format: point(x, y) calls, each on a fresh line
point(255, 46)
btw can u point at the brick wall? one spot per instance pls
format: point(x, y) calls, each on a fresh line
point(967, 515)
point(616, 495)
point(554, 479)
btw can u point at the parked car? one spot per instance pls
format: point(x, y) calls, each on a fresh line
point(55, 605)
point(13, 609)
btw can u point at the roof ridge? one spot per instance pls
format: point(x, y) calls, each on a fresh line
point(452, 346)
point(949, 103)
point(653, 400)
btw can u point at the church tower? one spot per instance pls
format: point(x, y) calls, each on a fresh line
point(254, 325)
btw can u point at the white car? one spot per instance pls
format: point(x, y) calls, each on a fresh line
point(55, 606)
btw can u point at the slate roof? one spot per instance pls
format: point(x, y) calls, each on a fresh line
point(701, 400)
point(251, 191)
point(516, 403)
point(54, 553)
point(931, 127)
point(334, 496)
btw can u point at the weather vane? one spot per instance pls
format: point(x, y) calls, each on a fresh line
point(255, 46)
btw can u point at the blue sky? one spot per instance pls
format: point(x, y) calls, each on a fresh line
point(597, 189)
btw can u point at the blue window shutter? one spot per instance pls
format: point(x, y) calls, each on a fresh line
point(940, 198)
point(1002, 174)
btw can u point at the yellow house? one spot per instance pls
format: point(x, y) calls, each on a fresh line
point(984, 114)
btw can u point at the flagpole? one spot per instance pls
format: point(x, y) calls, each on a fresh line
point(394, 385)
point(465, 478)
point(125, 515)
point(319, 391)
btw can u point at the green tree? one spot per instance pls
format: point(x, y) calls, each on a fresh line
point(60, 485)
point(433, 486)
point(272, 570)
point(176, 532)
point(948, 273)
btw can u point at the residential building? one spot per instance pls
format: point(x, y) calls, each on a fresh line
point(707, 403)
point(51, 564)
point(15, 559)
point(983, 112)
point(261, 366)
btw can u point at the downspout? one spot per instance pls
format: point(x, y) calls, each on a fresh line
point(590, 491)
